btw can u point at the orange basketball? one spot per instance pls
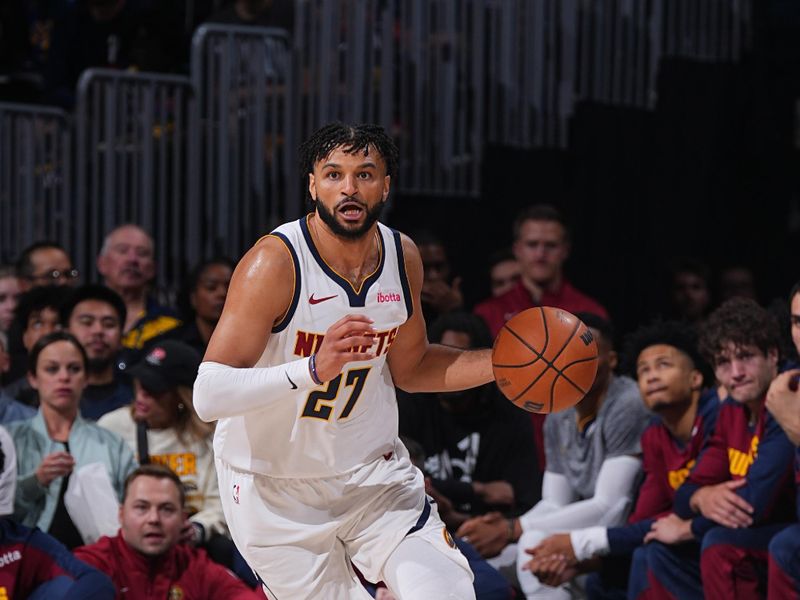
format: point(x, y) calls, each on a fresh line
point(544, 359)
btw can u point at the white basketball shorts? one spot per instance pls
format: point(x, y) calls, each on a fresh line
point(300, 535)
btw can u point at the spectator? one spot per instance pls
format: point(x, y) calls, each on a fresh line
point(37, 315)
point(593, 463)
point(541, 246)
point(441, 291)
point(740, 492)
point(690, 294)
point(264, 13)
point(200, 302)
point(127, 265)
point(45, 263)
point(668, 367)
point(504, 272)
point(36, 565)
point(9, 293)
point(94, 314)
point(146, 557)
point(783, 401)
point(737, 281)
point(478, 448)
point(173, 434)
point(10, 409)
point(57, 440)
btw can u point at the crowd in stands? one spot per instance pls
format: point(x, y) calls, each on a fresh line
point(675, 477)
point(45, 45)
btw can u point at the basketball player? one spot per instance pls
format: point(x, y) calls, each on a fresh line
point(321, 322)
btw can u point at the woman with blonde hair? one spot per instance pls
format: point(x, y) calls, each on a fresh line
point(162, 427)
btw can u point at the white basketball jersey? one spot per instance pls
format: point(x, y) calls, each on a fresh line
point(350, 420)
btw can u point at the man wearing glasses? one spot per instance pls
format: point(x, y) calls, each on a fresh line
point(45, 263)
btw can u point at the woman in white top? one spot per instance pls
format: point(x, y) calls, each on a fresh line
point(162, 427)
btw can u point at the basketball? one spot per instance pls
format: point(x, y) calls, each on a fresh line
point(544, 359)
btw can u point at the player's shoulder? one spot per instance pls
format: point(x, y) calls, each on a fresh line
point(410, 254)
point(406, 243)
point(272, 255)
point(623, 395)
point(624, 402)
point(655, 433)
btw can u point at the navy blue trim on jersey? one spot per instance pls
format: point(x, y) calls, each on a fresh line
point(423, 518)
point(284, 322)
point(401, 264)
point(356, 299)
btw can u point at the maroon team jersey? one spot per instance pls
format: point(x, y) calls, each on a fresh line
point(667, 463)
point(761, 453)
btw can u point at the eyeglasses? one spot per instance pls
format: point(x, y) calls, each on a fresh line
point(56, 274)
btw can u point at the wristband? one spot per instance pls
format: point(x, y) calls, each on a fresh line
point(312, 368)
point(511, 530)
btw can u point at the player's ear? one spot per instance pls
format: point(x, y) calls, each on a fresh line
point(312, 186)
point(696, 379)
point(387, 182)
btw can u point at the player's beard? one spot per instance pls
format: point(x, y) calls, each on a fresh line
point(329, 218)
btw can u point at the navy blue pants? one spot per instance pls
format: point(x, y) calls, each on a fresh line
point(672, 572)
point(784, 564)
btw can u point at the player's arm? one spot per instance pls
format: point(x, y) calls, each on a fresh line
point(227, 384)
point(418, 366)
point(253, 305)
point(615, 486)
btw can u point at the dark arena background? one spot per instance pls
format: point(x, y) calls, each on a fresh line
point(652, 148)
point(662, 130)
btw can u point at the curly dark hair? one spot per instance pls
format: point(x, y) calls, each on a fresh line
point(677, 334)
point(741, 322)
point(352, 139)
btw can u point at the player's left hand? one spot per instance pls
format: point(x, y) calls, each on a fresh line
point(559, 544)
point(670, 530)
point(488, 533)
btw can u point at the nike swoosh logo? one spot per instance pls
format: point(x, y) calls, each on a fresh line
point(312, 300)
point(294, 385)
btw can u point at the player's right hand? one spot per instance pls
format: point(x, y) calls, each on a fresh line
point(336, 350)
point(722, 504)
point(53, 466)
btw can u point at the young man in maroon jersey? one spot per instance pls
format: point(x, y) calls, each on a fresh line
point(667, 365)
point(741, 492)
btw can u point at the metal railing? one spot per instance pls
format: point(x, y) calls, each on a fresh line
point(545, 56)
point(243, 146)
point(208, 163)
point(35, 177)
point(132, 164)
